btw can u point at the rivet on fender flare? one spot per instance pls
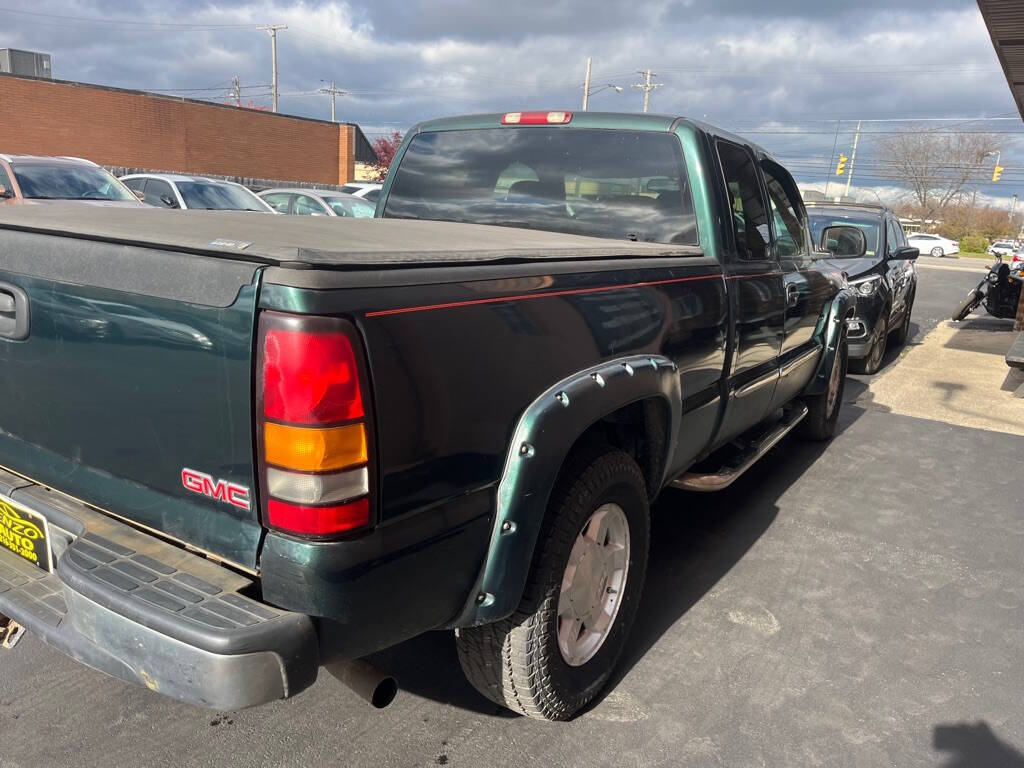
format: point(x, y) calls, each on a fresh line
point(526, 450)
point(563, 399)
point(598, 379)
point(628, 367)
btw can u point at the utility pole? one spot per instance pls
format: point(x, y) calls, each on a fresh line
point(1013, 207)
point(647, 86)
point(586, 84)
point(333, 91)
point(853, 158)
point(272, 29)
point(832, 160)
point(236, 90)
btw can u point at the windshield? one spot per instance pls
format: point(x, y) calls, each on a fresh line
point(209, 196)
point(871, 227)
point(64, 181)
point(616, 184)
point(351, 206)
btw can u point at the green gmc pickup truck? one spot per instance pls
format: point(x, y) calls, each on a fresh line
point(237, 449)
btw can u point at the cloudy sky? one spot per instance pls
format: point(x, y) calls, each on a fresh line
point(794, 75)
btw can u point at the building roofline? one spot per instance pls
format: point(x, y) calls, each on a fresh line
point(182, 99)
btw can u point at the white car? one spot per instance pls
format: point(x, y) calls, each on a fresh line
point(366, 190)
point(318, 202)
point(170, 190)
point(933, 245)
point(1002, 248)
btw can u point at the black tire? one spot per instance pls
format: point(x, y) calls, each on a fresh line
point(899, 336)
point(973, 299)
point(872, 362)
point(516, 662)
point(823, 410)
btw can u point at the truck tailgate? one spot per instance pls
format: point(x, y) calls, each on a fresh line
point(125, 381)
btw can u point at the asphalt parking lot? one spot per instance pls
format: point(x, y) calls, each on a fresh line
point(859, 603)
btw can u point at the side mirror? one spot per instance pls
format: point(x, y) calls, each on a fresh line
point(844, 241)
point(139, 194)
point(168, 201)
point(905, 253)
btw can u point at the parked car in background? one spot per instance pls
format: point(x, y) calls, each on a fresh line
point(168, 190)
point(34, 179)
point(317, 202)
point(366, 190)
point(1002, 248)
point(882, 273)
point(934, 245)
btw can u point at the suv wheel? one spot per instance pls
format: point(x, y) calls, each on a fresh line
point(556, 652)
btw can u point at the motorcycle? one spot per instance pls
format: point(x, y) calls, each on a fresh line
point(999, 291)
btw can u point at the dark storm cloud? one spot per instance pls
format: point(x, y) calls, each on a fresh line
point(780, 71)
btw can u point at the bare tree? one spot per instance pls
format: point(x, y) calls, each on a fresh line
point(936, 165)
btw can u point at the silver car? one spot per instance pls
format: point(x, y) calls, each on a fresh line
point(318, 202)
point(171, 190)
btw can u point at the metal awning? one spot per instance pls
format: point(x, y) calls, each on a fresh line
point(1005, 22)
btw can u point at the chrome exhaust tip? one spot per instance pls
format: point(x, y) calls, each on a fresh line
point(374, 686)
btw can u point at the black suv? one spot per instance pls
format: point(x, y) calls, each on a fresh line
point(882, 271)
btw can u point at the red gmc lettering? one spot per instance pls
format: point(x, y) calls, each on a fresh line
point(220, 490)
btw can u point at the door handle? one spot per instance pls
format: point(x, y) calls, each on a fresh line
point(14, 313)
point(792, 294)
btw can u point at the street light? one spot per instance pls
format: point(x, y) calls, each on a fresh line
point(588, 91)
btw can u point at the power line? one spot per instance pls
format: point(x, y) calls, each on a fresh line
point(194, 27)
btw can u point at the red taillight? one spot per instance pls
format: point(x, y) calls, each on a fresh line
point(318, 521)
point(312, 426)
point(310, 377)
point(536, 118)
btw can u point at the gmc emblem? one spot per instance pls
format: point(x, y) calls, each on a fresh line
point(219, 490)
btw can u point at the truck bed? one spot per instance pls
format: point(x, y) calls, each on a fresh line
point(320, 242)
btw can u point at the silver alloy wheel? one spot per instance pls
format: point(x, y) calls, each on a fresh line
point(593, 584)
point(937, 252)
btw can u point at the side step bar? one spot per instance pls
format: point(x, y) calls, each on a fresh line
point(745, 458)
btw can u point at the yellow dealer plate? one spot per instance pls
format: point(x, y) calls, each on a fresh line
point(24, 533)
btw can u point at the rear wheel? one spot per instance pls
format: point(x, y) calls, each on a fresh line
point(823, 410)
point(937, 252)
point(555, 653)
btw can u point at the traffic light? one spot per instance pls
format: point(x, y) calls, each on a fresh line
point(997, 172)
point(841, 165)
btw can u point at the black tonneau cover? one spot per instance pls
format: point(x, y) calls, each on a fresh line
point(319, 242)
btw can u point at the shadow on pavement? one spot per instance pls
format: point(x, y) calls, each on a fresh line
point(695, 540)
point(974, 746)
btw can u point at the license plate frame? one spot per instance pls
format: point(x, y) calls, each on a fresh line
point(26, 533)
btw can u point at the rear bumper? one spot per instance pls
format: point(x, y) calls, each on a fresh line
point(147, 612)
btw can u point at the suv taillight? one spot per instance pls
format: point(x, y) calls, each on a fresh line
point(313, 430)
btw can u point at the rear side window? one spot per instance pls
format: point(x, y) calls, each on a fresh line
point(308, 206)
point(749, 214)
point(629, 185)
point(159, 194)
point(279, 201)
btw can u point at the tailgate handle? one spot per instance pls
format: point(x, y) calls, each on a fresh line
point(13, 313)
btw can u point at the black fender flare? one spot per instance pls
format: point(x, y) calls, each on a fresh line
point(828, 333)
point(544, 434)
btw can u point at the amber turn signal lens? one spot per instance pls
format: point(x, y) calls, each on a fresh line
point(314, 449)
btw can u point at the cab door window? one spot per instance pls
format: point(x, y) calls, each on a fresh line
point(747, 206)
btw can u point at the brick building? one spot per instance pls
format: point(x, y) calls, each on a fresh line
point(146, 131)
